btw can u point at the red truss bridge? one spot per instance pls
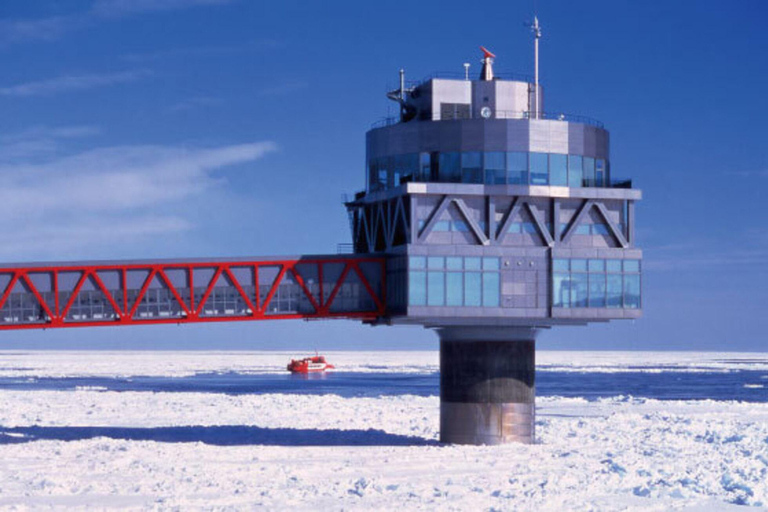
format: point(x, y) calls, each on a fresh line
point(34, 296)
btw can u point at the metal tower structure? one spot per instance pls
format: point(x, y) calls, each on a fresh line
point(484, 218)
point(498, 220)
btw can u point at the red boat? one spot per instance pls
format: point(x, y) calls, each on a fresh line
point(309, 365)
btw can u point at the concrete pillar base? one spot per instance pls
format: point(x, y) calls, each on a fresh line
point(487, 385)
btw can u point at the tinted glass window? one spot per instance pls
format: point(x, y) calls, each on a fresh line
point(558, 170)
point(539, 172)
point(575, 170)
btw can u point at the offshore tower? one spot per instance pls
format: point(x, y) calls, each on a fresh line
point(498, 220)
point(484, 218)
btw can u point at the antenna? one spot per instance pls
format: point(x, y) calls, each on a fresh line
point(536, 30)
point(466, 71)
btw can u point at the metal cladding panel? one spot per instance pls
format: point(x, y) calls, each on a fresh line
point(511, 97)
point(472, 135)
point(483, 95)
point(450, 91)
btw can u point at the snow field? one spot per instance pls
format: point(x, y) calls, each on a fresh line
point(95, 449)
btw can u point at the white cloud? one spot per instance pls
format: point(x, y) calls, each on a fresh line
point(69, 83)
point(118, 194)
point(53, 27)
point(40, 141)
point(119, 8)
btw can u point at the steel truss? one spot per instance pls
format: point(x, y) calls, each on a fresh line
point(87, 295)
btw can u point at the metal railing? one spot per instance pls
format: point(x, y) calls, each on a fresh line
point(498, 114)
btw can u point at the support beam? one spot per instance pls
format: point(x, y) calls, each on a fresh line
point(487, 385)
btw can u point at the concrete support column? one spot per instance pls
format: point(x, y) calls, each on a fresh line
point(487, 391)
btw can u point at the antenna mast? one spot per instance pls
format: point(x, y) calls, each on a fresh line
point(536, 29)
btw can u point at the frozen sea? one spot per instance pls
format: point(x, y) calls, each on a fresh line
point(233, 430)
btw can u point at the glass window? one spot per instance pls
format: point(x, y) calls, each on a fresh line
point(417, 288)
point(472, 167)
point(579, 286)
point(539, 171)
point(453, 263)
point(589, 172)
point(558, 170)
point(631, 266)
point(600, 173)
point(517, 168)
point(583, 229)
point(596, 290)
point(442, 225)
point(472, 263)
point(453, 286)
point(460, 225)
point(530, 228)
point(613, 290)
point(578, 265)
point(472, 288)
point(435, 262)
point(631, 291)
point(600, 229)
point(575, 170)
point(515, 227)
point(435, 288)
point(425, 164)
point(490, 289)
point(417, 262)
point(613, 265)
point(449, 169)
point(491, 264)
point(494, 164)
point(561, 290)
point(560, 265)
point(597, 265)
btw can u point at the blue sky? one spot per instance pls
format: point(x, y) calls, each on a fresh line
point(193, 128)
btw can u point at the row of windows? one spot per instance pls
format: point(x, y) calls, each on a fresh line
point(490, 168)
point(454, 281)
point(595, 283)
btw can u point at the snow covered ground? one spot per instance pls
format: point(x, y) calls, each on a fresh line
point(146, 450)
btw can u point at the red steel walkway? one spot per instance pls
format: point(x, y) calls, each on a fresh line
point(131, 293)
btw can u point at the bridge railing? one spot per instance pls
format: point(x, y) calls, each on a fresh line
point(126, 293)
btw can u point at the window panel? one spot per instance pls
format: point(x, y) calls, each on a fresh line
point(613, 265)
point(578, 265)
point(597, 265)
point(472, 263)
point(579, 286)
point(575, 170)
point(490, 289)
point(597, 290)
point(631, 291)
point(449, 168)
point(613, 290)
point(589, 172)
point(454, 289)
point(517, 168)
point(631, 266)
point(560, 265)
point(453, 263)
point(416, 262)
point(558, 170)
point(434, 262)
point(491, 264)
point(435, 289)
point(561, 290)
point(472, 288)
point(417, 288)
point(539, 168)
point(472, 167)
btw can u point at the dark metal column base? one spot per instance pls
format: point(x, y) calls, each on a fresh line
point(487, 391)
